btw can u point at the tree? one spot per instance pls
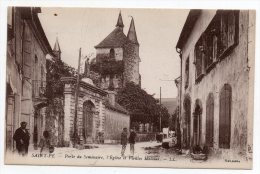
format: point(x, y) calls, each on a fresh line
point(142, 106)
point(55, 70)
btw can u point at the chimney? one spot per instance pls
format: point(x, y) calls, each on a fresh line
point(112, 97)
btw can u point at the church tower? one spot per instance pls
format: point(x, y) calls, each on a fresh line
point(117, 57)
point(56, 50)
point(131, 56)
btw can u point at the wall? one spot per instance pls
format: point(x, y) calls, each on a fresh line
point(131, 63)
point(103, 53)
point(69, 112)
point(20, 73)
point(233, 70)
point(114, 124)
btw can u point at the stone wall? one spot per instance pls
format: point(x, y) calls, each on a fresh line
point(114, 124)
point(69, 109)
point(103, 53)
point(232, 70)
point(131, 63)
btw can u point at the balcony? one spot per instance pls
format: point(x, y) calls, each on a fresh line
point(38, 89)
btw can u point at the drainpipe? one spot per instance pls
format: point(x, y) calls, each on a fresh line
point(179, 51)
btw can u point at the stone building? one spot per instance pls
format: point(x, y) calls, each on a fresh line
point(27, 47)
point(117, 58)
point(99, 117)
point(216, 49)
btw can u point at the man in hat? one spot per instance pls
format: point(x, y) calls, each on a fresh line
point(22, 137)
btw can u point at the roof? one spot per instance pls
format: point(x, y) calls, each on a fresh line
point(56, 46)
point(120, 21)
point(115, 39)
point(131, 35)
point(38, 27)
point(188, 26)
point(116, 107)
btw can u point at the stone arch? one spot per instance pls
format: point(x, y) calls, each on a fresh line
point(187, 121)
point(88, 120)
point(197, 122)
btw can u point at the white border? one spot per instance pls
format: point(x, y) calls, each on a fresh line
point(184, 4)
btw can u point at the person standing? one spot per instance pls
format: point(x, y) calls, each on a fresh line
point(123, 141)
point(132, 141)
point(45, 143)
point(22, 138)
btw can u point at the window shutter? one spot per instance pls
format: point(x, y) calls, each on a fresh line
point(231, 28)
point(224, 32)
point(215, 48)
point(27, 52)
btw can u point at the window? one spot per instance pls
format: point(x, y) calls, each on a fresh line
point(228, 30)
point(112, 54)
point(210, 120)
point(199, 55)
point(220, 37)
point(225, 116)
point(187, 72)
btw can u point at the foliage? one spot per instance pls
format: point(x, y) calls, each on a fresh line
point(107, 67)
point(143, 107)
point(55, 70)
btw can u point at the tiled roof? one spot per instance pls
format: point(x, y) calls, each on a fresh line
point(115, 39)
point(116, 107)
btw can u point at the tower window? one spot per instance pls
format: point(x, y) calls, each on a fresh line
point(112, 54)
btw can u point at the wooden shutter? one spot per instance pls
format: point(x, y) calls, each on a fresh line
point(210, 121)
point(27, 59)
point(225, 117)
point(224, 32)
point(231, 28)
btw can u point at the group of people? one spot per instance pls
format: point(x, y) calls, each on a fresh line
point(22, 141)
point(130, 139)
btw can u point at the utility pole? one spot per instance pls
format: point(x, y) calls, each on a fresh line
point(75, 135)
point(160, 109)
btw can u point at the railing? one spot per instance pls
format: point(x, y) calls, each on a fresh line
point(38, 88)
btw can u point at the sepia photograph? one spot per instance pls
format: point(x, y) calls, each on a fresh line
point(130, 87)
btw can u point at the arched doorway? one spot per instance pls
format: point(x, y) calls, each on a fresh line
point(225, 104)
point(197, 123)
point(88, 115)
point(186, 128)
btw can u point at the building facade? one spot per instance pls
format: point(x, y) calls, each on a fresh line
point(26, 73)
point(117, 58)
point(216, 48)
point(99, 118)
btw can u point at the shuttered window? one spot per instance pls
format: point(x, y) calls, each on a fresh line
point(225, 116)
point(199, 57)
point(229, 20)
point(187, 72)
point(210, 120)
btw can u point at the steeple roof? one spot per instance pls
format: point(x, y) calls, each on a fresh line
point(120, 21)
point(131, 35)
point(115, 39)
point(56, 46)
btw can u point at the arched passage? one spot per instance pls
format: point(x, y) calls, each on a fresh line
point(197, 122)
point(88, 118)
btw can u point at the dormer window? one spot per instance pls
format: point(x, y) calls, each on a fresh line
point(112, 54)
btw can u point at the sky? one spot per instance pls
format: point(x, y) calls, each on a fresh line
point(157, 32)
